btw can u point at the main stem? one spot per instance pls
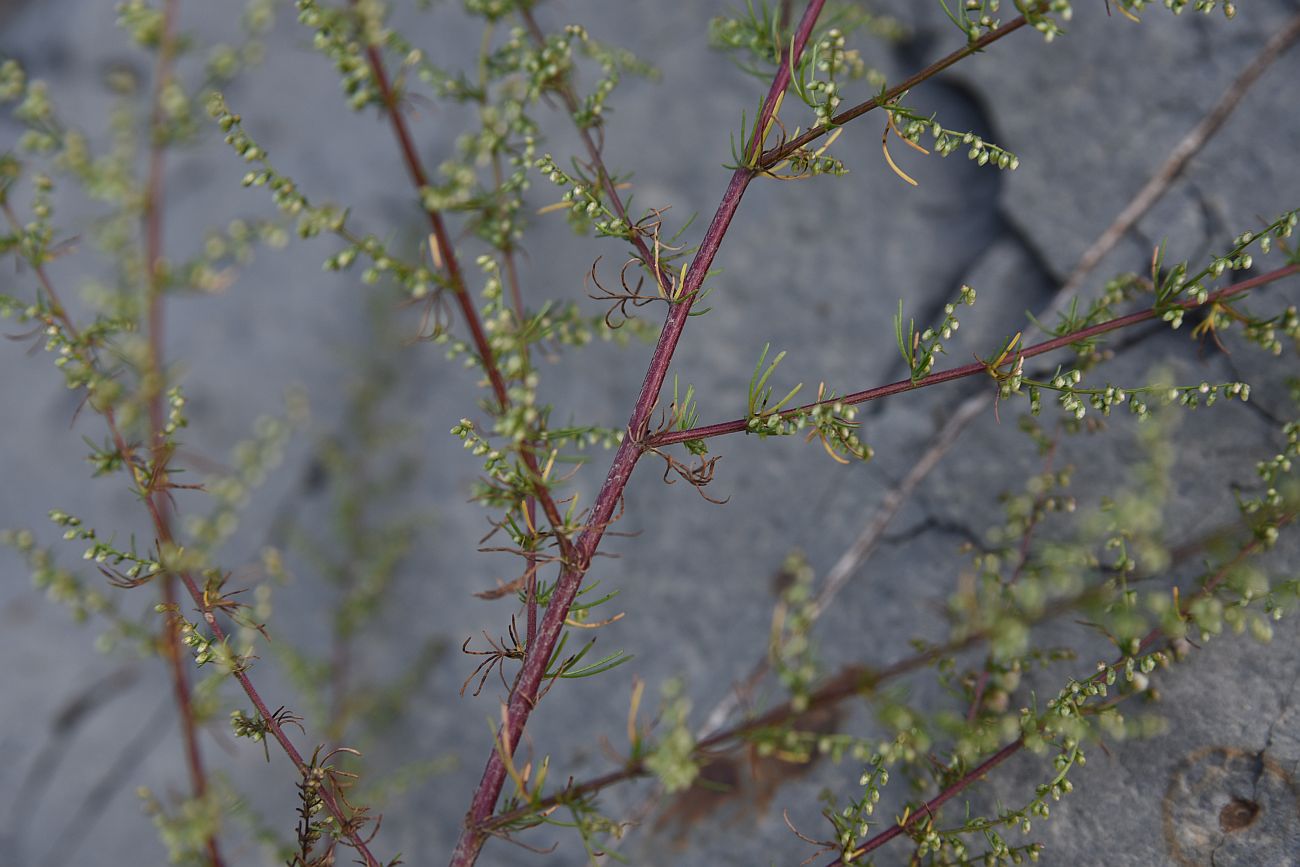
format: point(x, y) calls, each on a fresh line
point(524, 695)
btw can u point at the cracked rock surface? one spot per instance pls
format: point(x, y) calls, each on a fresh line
point(815, 268)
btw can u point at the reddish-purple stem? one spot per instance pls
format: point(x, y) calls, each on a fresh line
point(1154, 635)
point(603, 177)
point(524, 695)
point(934, 803)
point(136, 466)
point(849, 681)
point(464, 301)
point(771, 157)
point(965, 370)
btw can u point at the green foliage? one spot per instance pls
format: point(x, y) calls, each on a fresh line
point(790, 647)
point(186, 827)
point(973, 18)
point(920, 348)
point(852, 821)
point(672, 759)
point(911, 127)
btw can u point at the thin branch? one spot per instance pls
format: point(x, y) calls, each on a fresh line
point(206, 608)
point(934, 803)
point(152, 218)
point(1280, 42)
point(541, 638)
point(967, 370)
point(603, 176)
point(60, 312)
point(420, 179)
point(524, 695)
point(931, 806)
point(942, 441)
point(775, 155)
point(849, 681)
point(464, 301)
point(489, 789)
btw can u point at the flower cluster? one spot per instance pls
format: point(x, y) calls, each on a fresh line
point(973, 17)
point(584, 201)
point(1177, 6)
point(672, 758)
point(821, 71)
point(851, 823)
point(1042, 15)
point(912, 127)
point(920, 348)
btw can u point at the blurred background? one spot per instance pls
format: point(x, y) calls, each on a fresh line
point(815, 268)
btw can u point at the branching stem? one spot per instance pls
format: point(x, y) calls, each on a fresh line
point(849, 681)
point(464, 300)
point(966, 370)
point(606, 180)
point(775, 155)
point(135, 466)
point(524, 695)
point(931, 806)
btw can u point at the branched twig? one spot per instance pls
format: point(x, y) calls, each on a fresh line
point(977, 367)
point(785, 150)
point(419, 177)
point(577, 539)
point(1149, 640)
point(975, 405)
point(597, 162)
point(530, 677)
point(526, 686)
point(850, 681)
point(206, 606)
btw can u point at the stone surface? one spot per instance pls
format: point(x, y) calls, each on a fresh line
point(815, 268)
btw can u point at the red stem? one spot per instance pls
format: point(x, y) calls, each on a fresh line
point(934, 803)
point(849, 681)
point(138, 470)
point(931, 806)
point(603, 176)
point(524, 696)
point(463, 299)
point(965, 370)
point(776, 154)
point(421, 180)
